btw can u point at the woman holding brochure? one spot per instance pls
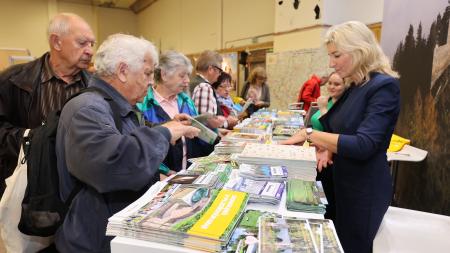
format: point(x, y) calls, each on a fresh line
point(335, 87)
point(357, 131)
point(166, 99)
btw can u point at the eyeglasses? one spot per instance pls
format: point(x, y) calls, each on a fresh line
point(261, 78)
point(225, 86)
point(217, 68)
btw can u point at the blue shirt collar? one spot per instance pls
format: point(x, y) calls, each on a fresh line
point(124, 107)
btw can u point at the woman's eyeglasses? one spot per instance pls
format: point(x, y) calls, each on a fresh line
point(225, 86)
point(260, 78)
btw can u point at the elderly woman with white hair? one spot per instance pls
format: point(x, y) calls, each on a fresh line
point(113, 165)
point(165, 100)
point(357, 132)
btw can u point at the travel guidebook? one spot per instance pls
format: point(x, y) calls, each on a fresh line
point(244, 137)
point(194, 217)
point(327, 240)
point(274, 154)
point(211, 175)
point(286, 235)
point(206, 134)
point(260, 191)
point(305, 196)
point(203, 160)
point(263, 172)
point(227, 147)
point(245, 237)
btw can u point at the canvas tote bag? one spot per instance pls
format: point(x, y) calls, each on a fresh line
point(10, 211)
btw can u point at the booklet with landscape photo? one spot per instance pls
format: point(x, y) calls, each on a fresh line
point(206, 134)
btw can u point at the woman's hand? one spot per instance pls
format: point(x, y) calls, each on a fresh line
point(297, 138)
point(324, 158)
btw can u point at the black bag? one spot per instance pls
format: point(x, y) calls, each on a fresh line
point(43, 211)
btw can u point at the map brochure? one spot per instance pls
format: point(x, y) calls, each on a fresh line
point(206, 134)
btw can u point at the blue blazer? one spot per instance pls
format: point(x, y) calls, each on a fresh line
point(364, 117)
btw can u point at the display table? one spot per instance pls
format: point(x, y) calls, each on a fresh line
point(407, 154)
point(126, 245)
point(404, 230)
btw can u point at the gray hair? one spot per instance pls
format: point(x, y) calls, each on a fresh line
point(170, 62)
point(60, 24)
point(121, 48)
point(208, 58)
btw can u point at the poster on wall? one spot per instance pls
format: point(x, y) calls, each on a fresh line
point(230, 65)
point(418, 43)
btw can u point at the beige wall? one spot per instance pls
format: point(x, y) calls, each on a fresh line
point(110, 21)
point(297, 28)
point(308, 38)
point(192, 26)
point(24, 22)
point(189, 26)
point(247, 18)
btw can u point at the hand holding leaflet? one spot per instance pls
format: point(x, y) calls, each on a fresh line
point(206, 134)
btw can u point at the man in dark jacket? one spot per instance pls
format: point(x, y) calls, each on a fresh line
point(115, 168)
point(28, 92)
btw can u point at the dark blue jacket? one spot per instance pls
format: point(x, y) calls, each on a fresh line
point(115, 168)
point(364, 117)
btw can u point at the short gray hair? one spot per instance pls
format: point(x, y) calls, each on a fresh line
point(123, 48)
point(208, 58)
point(60, 24)
point(170, 62)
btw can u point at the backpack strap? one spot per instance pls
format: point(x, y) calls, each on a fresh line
point(114, 106)
point(117, 120)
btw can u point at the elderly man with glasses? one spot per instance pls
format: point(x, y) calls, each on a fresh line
point(204, 96)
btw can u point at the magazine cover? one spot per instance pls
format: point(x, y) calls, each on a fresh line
point(330, 241)
point(285, 235)
point(180, 211)
point(263, 172)
point(222, 216)
point(182, 179)
point(245, 237)
point(206, 134)
point(203, 160)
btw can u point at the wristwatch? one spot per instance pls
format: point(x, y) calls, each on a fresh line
point(309, 131)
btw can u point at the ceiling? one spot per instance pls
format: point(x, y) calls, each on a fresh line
point(134, 5)
point(121, 4)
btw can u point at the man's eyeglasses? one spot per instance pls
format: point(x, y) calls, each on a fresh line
point(217, 68)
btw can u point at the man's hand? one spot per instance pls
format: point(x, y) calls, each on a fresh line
point(223, 132)
point(232, 121)
point(216, 121)
point(177, 130)
point(183, 118)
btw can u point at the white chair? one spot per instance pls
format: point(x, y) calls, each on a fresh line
point(404, 230)
point(14, 59)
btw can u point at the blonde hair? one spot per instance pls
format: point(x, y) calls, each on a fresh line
point(357, 39)
point(256, 72)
